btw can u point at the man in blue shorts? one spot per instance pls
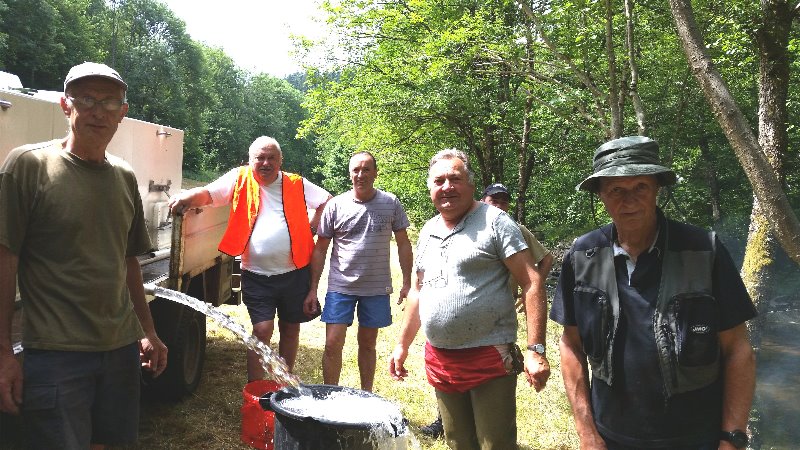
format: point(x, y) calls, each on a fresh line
point(360, 222)
point(87, 329)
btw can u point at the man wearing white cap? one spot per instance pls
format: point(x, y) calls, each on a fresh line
point(71, 225)
point(656, 310)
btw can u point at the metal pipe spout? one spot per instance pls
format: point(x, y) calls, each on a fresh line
point(149, 289)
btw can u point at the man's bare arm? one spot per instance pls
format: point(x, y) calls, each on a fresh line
point(520, 265)
point(311, 302)
point(193, 198)
point(408, 331)
point(154, 352)
point(738, 378)
point(10, 370)
point(314, 222)
point(406, 256)
point(544, 266)
point(575, 371)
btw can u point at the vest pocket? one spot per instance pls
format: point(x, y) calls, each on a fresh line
point(697, 328)
point(594, 317)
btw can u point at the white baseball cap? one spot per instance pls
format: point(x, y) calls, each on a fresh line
point(93, 69)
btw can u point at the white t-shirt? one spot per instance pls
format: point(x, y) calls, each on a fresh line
point(269, 249)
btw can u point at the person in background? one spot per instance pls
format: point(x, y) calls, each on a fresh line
point(269, 227)
point(497, 195)
point(462, 300)
point(71, 225)
point(360, 222)
point(656, 310)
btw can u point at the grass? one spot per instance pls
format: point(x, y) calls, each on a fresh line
point(210, 418)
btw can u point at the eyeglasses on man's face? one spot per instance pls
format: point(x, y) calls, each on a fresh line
point(87, 102)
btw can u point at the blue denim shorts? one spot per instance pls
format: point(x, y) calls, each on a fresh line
point(374, 311)
point(73, 399)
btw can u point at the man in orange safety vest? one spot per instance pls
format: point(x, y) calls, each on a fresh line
point(269, 227)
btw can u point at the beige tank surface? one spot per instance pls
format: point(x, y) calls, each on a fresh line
point(154, 151)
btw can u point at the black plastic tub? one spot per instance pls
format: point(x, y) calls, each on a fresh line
point(304, 429)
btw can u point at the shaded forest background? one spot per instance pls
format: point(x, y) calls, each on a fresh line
point(173, 79)
point(528, 88)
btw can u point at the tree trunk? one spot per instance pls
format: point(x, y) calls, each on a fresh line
point(615, 130)
point(765, 183)
point(758, 267)
point(522, 157)
point(711, 180)
point(633, 89)
point(772, 38)
point(668, 150)
point(492, 162)
point(773, 84)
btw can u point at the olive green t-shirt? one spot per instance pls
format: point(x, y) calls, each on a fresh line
point(538, 251)
point(72, 224)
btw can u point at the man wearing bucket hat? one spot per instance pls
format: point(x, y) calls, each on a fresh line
point(87, 327)
point(656, 310)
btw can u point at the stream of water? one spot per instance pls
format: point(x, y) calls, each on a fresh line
point(273, 364)
point(340, 407)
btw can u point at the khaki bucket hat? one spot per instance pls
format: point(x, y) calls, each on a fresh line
point(629, 156)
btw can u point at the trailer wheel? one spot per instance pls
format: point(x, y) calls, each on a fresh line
point(183, 330)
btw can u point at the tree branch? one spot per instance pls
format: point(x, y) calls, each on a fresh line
point(638, 105)
point(745, 145)
point(578, 73)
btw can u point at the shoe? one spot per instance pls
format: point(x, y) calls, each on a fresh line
point(435, 430)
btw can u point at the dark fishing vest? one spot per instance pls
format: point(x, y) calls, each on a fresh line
point(684, 321)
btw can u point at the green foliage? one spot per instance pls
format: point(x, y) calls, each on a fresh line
point(526, 95)
point(172, 79)
point(406, 92)
point(415, 77)
point(163, 67)
point(41, 39)
point(3, 33)
point(298, 81)
point(223, 145)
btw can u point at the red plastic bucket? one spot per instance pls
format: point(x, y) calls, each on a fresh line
point(258, 424)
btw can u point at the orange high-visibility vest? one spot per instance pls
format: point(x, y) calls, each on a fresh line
point(245, 204)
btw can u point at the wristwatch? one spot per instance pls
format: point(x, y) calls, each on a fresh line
point(537, 348)
point(737, 438)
